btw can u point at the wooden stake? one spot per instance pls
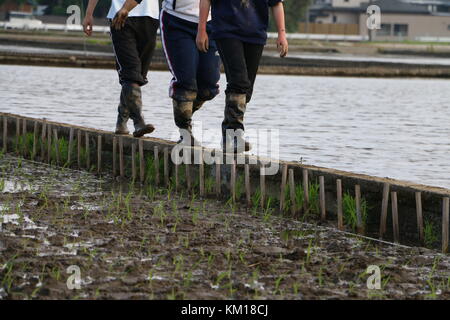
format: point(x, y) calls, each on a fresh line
point(121, 160)
point(218, 180)
point(305, 191)
point(17, 134)
point(359, 222)
point(445, 224)
point(395, 225)
point(79, 149)
point(262, 182)
point(323, 212)
point(133, 161)
point(88, 152)
point(292, 193)
point(5, 134)
point(177, 168)
point(156, 163)
point(188, 177)
point(201, 174)
point(69, 151)
point(166, 166)
point(24, 134)
point(141, 161)
point(284, 171)
point(233, 181)
point(384, 209)
point(44, 130)
point(55, 135)
point(419, 216)
point(99, 154)
point(248, 194)
point(340, 211)
point(35, 139)
point(49, 143)
point(114, 156)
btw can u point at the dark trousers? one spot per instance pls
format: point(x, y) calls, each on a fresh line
point(241, 62)
point(195, 74)
point(134, 46)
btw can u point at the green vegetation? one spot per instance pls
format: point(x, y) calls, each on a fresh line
point(349, 207)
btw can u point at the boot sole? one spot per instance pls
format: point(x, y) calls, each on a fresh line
point(146, 130)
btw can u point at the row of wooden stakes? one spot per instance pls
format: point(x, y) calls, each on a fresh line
point(287, 178)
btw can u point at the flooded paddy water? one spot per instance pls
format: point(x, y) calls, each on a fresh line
point(140, 242)
point(395, 128)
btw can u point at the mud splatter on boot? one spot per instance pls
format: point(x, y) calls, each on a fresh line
point(233, 124)
point(122, 119)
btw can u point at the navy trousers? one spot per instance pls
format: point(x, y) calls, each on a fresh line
point(195, 74)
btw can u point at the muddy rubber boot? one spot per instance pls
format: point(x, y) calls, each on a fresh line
point(132, 98)
point(182, 112)
point(233, 124)
point(122, 119)
point(197, 105)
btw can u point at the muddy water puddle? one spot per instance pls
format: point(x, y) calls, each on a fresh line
point(145, 243)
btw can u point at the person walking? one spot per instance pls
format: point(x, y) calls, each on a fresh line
point(134, 43)
point(239, 28)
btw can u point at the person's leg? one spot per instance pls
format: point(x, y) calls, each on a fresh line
point(125, 45)
point(253, 54)
point(208, 76)
point(238, 85)
point(178, 40)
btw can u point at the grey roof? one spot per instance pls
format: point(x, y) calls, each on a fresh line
point(387, 6)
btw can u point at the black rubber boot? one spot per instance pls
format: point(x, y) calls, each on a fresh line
point(182, 112)
point(197, 105)
point(132, 99)
point(122, 119)
point(233, 124)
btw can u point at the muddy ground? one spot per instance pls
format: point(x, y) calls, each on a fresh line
point(143, 243)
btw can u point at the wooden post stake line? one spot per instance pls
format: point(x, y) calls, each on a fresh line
point(292, 193)
point(384, 209)
point(359, 221)
point(141, 161)
point(395, 225)
point(114, 156)
point(323, 212)
point(133, 161)
point(35, 139)
point(248, 193)
point(418, 196)
point(284, 172)
point(262, 182)
point(156, 163)
point(445, 223)
point(121, 159)
point(99, 154)
point(166, 166)
point(69, 151)
point(305, 191)
point(340, 211)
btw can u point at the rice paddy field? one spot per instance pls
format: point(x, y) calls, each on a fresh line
point(132, 241)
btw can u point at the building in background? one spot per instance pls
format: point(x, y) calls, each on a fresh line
point(414, 20)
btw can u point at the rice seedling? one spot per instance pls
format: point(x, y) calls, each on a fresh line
point(430, 233)
point(349, 206)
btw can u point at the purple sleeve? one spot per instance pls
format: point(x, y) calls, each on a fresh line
point(274, 2)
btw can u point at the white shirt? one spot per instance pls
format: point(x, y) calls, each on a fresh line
point(147, 8)
point(183, 9)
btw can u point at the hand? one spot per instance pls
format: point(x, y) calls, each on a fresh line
point(120, 19)
point(88, 23)
point(202, 41)
point(282, 45)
